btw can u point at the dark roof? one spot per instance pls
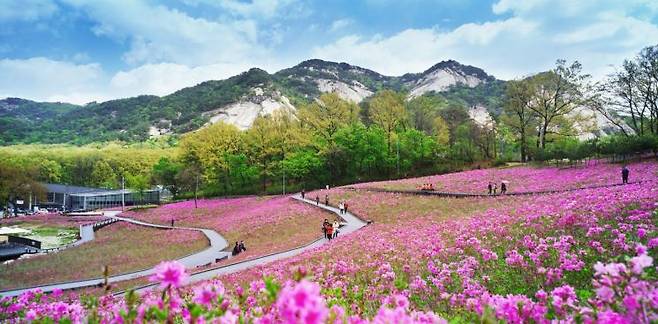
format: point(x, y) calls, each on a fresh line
point(60, 188)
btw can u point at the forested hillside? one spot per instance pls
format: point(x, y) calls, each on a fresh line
point(139, 118)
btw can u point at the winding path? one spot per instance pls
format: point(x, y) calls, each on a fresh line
point(209, 255)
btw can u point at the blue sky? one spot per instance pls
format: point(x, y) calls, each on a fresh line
point(85, 50)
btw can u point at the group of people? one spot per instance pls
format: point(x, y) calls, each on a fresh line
point(493, 188)
point(342, 207)
point(330, 229)
point(238, 248)
point(426, 187)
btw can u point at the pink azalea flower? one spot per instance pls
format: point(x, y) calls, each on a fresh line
point(170, 273)
point(640, 262)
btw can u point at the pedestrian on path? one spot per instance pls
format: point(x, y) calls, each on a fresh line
point(326, 200)
point(317, 200)
point(236, 249)
point(624, 175)
point(490, 186)
point(341, 208)
point(494, 189)
point(503, 188)
point(335, 227)
point(330, 231)
point(172, 222)
point(345, 207)
point(303, 194)
point(325, 225)
point(242, 247)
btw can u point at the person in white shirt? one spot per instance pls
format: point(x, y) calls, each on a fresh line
point(336, 225)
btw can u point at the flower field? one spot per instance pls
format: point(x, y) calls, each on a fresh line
point(266, 224)
point(576, 257)
point(523, 179)
point(121, 246)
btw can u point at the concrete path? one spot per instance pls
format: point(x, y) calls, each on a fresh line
point(352, 223)
point(207, 256)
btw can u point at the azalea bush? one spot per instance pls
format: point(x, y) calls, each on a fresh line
point(524, 179)
point(580, 256)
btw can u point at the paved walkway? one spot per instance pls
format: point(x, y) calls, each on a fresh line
point(352, 223)
point(209, 255)
point(472, 195)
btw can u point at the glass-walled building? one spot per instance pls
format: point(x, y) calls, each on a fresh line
point(75, 198)
point(108, 199)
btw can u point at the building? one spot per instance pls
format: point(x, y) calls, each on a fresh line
point(75, 198)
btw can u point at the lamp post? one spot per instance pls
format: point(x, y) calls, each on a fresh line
point(123, 193)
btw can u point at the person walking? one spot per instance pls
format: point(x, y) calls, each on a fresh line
point(330, 231)
point(325, 225)
point(317, 200)
point(326, 200)
point(490, 186)
point(503, 188)
point(624, 175)
point(236, 249)
point(242, 247)
point(345, 207)
point(494, 189)
point(341, 208)
point(172, 222)
point(335, 227)
point(303, 194)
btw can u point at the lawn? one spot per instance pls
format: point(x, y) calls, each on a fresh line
point(121, 246)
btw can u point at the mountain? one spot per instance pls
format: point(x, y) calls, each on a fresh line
point(237, 100)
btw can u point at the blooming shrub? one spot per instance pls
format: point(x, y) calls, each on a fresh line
point(581, 256)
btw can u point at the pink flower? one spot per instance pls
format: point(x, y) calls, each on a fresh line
point(605, 293)
point(302, 303)
point(205, 295)
point(170, 273)
point(640, 262)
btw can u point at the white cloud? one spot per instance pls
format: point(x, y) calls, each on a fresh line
point(165, 78)
point(45, 79)
point(160, 34)
point(537, 33)
point(340, 24)
point(26, 10)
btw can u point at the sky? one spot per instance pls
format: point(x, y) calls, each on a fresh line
point(80, 51)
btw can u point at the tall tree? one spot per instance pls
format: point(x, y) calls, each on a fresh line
point(327, 114)
point(557, 93)
point(102, 175)
point(517, 113)
point(165, 173)
point(386, 109)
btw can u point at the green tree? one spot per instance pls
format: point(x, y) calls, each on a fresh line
point(327, 114)
point(165, 173)
point(138, 183)
point(50, 171)
point(557, 94)
point(517, 113)
point(102, 175)
point(386, 109)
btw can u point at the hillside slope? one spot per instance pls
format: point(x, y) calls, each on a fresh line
point(237, 100)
